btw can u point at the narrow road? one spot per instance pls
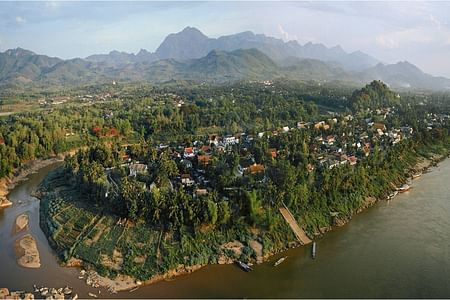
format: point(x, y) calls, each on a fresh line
point(299, 233)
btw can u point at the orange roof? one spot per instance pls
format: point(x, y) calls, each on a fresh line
point(203, 159)
point(256, 168)
point(380, 126)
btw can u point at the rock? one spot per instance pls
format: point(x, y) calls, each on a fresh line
point(67, 291)
point(59, 296)
point(4, 292)
point(15, 294)
point(5, 203)
point(28, 296)
point(339, 222)
point(75, 297)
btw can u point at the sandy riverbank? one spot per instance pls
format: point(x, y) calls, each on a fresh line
point(27, 252)
point(125, 283)
point(21, 223)
point(8, 183)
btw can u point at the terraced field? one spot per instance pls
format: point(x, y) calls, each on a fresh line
point(115, 246)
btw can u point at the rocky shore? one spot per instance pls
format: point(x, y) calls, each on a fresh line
point(39, 293)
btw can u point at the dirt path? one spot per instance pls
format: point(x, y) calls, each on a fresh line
point(299, 233)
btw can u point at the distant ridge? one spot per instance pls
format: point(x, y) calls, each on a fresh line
point(192, 43)
point(192, 56)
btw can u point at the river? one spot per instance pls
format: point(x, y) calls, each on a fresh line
point(399, 249)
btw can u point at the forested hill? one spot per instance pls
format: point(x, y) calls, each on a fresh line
point(190, 55)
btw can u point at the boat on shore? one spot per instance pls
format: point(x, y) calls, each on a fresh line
point(313, 250)
point(392, 195)
point(416, 175)
point(244, 266)
point(279, 261)
point(404, 188)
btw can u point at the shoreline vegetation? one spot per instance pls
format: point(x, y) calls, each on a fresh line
point(126, 283)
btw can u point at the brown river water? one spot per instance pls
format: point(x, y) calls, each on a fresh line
point(399, 249)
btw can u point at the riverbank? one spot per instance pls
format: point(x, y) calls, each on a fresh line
point(423, 165)
point(99, 227)
point(21, 174)
point(8, 183)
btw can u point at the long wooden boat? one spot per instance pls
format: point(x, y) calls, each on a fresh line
point(392, 195)
point(279, 261)
point(313, 250)
point(244, 266)
point(404, 188)
point(416, 175)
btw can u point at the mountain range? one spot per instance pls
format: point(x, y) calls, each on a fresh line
point(191, 55)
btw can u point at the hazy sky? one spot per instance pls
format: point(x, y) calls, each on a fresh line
point(390, 31)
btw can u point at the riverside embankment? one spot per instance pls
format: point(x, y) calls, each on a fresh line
point(390, 250)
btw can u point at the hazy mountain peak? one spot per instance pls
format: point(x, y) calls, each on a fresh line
point(191, 32)
point(17, 52)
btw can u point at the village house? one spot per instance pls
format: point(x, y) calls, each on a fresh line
point(329, 140)
point(186, 180)
point(301, 125)
point(352, 160)
point(201, 192)
point(213, 139)
point(203, 160)
point(255, 169)
point(230, 140)
point(188, 152)
point(379, 126)
point(321, 125)
point(136, 169)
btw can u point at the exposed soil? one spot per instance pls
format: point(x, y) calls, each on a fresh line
point(27, 252)
point(21, 223)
